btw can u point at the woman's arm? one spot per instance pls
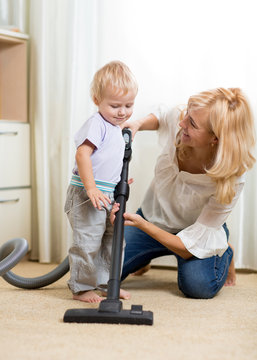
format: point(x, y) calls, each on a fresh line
point(149, 122)
point(170, 241)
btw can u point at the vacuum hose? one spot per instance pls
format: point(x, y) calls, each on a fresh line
point(12, 252)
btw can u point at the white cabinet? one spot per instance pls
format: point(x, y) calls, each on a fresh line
point(14, 154)
point(15, 210)
point(15, 179)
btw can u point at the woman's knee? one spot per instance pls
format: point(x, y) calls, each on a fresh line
point(198, 288)
point(195, 282)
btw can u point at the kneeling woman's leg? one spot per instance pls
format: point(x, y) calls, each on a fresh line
point(203, 278)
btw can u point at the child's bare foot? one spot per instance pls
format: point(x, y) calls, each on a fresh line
point(231, 278)
point(123, 294)
point(88, 296)
point(142, 270)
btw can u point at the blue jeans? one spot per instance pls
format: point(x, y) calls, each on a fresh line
point(197, 278)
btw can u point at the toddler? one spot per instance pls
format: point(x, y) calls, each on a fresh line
point(98, 164)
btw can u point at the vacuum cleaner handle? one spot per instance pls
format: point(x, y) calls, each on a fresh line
point(121, 195)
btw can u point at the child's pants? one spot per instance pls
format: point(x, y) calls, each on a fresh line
point(90, 253)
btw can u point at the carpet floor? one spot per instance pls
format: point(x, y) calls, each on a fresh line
point(224, 328)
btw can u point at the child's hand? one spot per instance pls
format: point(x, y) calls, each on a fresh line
point(115, 208)
point(96, 196)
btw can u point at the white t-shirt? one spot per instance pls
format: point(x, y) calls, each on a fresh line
point(107, 158)
point(184, 203)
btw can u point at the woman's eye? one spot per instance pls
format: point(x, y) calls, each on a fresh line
point(192, 122)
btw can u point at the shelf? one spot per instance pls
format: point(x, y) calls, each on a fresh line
point(13, 76)
point(13, 34)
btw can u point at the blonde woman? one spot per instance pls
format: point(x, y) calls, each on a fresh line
point(198, 179)
point(99, 159)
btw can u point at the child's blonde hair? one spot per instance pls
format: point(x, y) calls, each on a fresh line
point(231, 121)
point(116, 75)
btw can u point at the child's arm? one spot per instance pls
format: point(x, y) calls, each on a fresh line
point(85, 169)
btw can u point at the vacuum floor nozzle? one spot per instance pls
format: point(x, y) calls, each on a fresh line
point(110, 313)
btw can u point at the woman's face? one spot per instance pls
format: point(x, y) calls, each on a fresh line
point(196, 132)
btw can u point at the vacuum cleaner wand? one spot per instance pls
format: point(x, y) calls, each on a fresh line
point(121, 195)
point(110, 310)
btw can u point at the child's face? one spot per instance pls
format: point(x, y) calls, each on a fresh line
point(115, 106)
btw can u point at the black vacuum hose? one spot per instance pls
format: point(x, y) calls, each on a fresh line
point(12, 252)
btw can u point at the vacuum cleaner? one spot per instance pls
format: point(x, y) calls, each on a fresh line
point(110, 310)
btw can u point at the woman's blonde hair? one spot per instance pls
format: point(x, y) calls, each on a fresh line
point(116, 75)
point(231, 121)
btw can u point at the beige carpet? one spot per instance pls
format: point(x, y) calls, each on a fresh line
point(222, 328)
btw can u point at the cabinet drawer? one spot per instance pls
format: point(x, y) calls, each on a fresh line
point(14, 155)
point(15, 214)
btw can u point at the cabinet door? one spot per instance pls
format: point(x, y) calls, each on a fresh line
point(14, 155)
point(15, 214)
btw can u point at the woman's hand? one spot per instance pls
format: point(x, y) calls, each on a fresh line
point(134, 220)
point(130, 219)
point(149, 122)
point(132, 125)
